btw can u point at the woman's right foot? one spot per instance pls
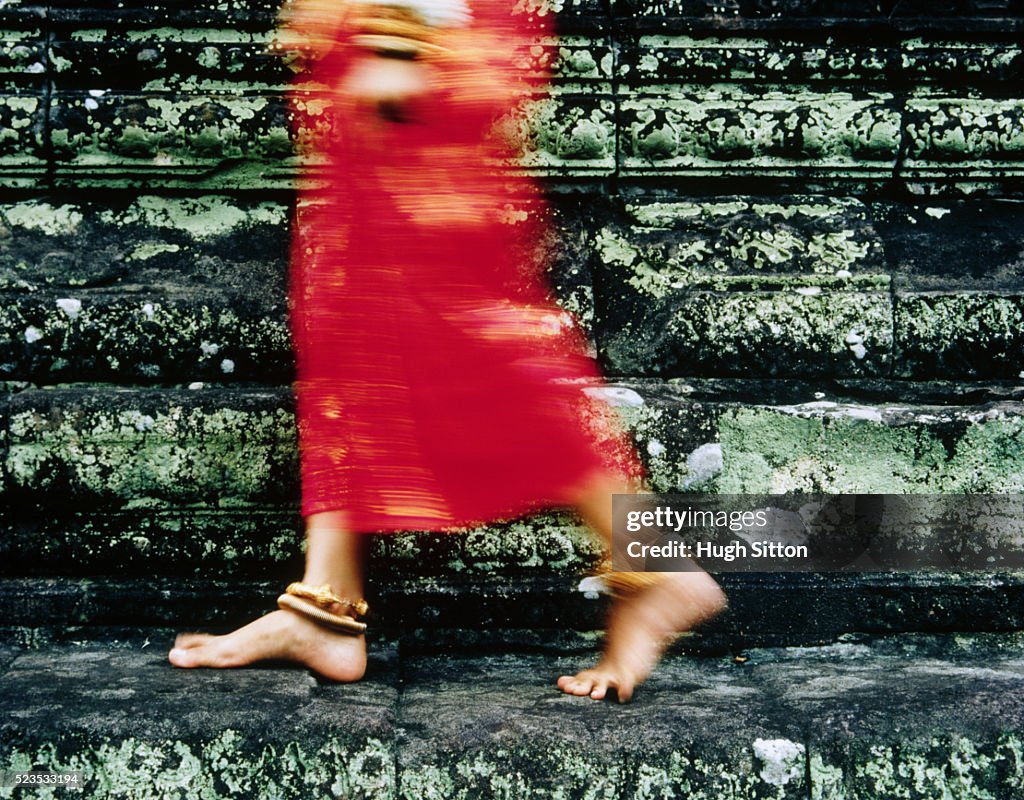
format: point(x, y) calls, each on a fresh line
point(280, 635)
point(640, 627)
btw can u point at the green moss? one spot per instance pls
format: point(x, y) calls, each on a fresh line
point(226, 766)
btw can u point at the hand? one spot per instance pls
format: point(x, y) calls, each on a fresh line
point(389, 84)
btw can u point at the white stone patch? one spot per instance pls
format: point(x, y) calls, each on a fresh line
point(196, 385)
point(860, 412)
point(147, 310)
point(843, 273)
point(70, 306)
point(809, 291)
point(209, 348)
point(830, 409)
point(145, 423)
point(655, 448)
point(853, 337)
point(937, 213)
point(227, 366)
point(91, 104)
point(819, 395)
point(781, 760)
point(859, 351)
point(33, 334)
point(593, 587)
point(35, 68)
point(615, 395)
point(704, 463)
point(97, 92)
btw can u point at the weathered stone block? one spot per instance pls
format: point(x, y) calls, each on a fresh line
point(145, 337)
point(127, 13)
point(167, 60)
point(961, 62)
point(670, 60)
point(142, 339)
point(266, 543)
point(737, 131)
point(945, 245)
point(22, 135)
point(132, 725)
point(125, 449)
point(563, 135)
point(828, 447)
point(964, 138)
point(968, 336)
point(743, 286)
point(129, 140)
point(571, 59)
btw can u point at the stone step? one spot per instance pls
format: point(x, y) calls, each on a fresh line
point(102, 480)
point(861, 718)
point(151, 289)
point(765, 608)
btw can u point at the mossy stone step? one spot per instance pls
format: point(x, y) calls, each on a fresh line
point(860, 719)
point(775, 609)
point(113, 449)
point(156, 290)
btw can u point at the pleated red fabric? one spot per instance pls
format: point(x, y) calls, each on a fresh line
point(439, 386)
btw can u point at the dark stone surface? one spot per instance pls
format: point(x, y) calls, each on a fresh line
point(133, 723)
point(910, 716)
point(778, 609)
point(824, 718)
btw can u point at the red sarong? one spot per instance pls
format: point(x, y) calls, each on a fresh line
point(439, 385)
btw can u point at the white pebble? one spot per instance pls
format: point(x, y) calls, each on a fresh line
point(859, 351)
point(70, 306)
point(844, 273)
point(196, 385)
point(33, 334)
point(854, 338)
point(227, 365)
point(209, 348)
point(147, 310)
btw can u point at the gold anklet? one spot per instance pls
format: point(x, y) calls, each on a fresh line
point(323, 596)
point(341, 622)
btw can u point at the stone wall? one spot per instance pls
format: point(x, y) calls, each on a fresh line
point(791, 229)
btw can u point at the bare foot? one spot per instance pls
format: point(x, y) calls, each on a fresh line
point(640, 627)
point(279, 635)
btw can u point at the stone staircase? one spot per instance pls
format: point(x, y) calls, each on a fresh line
point(792, 233)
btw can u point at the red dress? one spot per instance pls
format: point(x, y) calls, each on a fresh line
point(435, 382)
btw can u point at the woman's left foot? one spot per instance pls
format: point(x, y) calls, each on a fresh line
point(280, 635)
point(640, 627)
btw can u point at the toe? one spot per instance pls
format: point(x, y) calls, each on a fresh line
point(579, 685)
point(600, 688)
point(184, 641)
point(181, 657)
point(203, 655)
